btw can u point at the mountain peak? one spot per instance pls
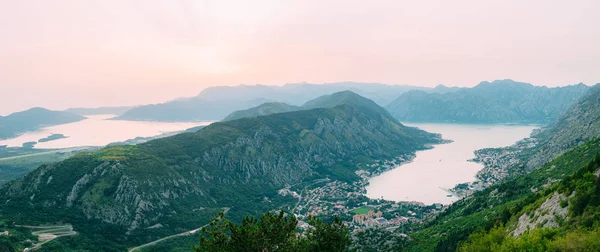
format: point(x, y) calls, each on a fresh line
point(336, 99)
point(503, 83)
point(266, 108)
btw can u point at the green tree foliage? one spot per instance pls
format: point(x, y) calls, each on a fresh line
point(328, 236)
point(547, 239)
point(272, 232)
point(505, 202)
point(580, 233)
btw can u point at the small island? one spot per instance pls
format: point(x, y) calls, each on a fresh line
point(29, 145)
point(52, 137)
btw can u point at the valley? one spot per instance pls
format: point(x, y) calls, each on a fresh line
point(299, 126)
point(351, 159)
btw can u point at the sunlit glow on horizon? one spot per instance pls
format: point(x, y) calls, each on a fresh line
point(66, 53)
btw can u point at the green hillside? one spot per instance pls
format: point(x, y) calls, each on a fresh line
point(128, 195)
point(563, 217)
point(499, 203)
point(563, 168)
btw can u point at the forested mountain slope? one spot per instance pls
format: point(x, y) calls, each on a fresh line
point(579, 124)
point(127, 195)
point(561, 217)
point(562, 167)
point(503, 203)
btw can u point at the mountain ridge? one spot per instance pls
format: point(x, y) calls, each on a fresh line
point(33, 119)
point(215, 103)
point(501, 101)
point(326, 101)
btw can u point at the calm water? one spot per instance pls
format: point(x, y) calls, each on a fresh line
point(96, 131)
point(444, 166)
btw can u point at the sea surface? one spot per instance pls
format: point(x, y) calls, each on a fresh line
point(96, 130)
point(433, 171)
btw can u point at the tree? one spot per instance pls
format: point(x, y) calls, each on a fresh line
point(272, 232)
point(328, 236)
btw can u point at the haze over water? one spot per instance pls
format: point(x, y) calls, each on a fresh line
point(97, 131)
point(435, 170)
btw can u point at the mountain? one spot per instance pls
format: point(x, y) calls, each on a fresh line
point(129, 195)
point(579, 124)
point(445, 89)
point(261, 110)
point(325, 101)
point(192, 109)
point(544, 198)
point(33, 119)
point(298, 93)
point(343, 97)
point(100, 111)
point(561, 217)
point(556, 188)
point(501, 101)
point(215, 103)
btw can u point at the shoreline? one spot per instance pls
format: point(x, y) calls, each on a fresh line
point(482, 167)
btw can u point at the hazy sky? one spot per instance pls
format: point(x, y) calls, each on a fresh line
point(60, 53)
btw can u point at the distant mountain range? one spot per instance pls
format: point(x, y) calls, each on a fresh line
point(267, 108)
point(501, 101)
point(33, 119)
point(100, 110)
point(325, 101)
point(190, 109)
point(215, 103)
point(124, 195)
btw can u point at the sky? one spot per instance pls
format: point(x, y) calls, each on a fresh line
point(59, 54)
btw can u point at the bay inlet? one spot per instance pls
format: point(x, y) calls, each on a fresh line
point(432, 172)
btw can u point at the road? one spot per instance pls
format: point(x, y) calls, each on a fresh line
point(65, 150)
point(48, 233)
point(173, 236)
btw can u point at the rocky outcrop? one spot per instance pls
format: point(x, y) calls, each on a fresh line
point(546, 215)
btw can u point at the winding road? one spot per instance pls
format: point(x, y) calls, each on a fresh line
point(48, 233)
point(173, 236)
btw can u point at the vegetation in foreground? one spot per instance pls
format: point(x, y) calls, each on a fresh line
point(577, 231)
point(273, 232)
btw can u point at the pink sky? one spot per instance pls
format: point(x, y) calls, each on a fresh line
point(59, 54)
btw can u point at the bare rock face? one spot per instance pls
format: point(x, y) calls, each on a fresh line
point(545, 216)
